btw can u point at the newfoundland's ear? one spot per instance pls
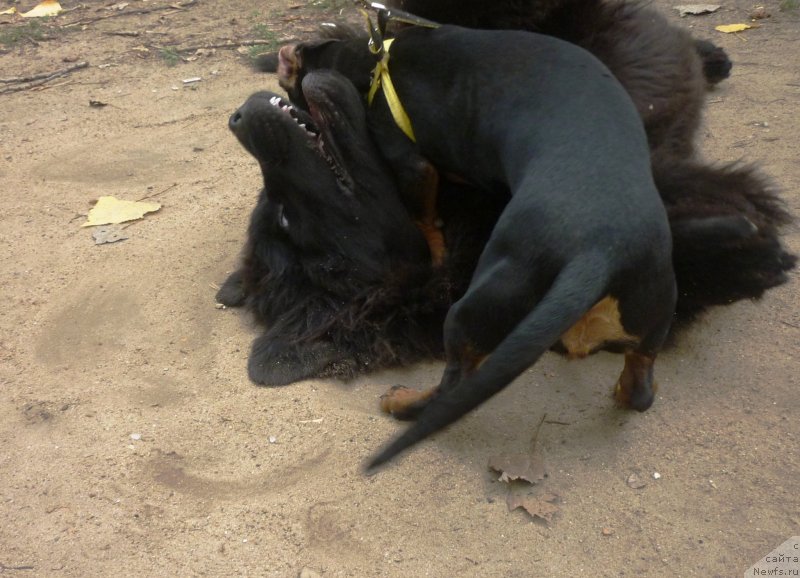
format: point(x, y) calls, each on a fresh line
point(231, 294)
point(275, 362)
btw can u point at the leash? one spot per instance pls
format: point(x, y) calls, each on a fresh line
point(381, 79)
point(380, 48)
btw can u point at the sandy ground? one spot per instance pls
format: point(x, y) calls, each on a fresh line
point(133, 444)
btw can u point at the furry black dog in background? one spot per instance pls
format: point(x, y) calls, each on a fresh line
point(660, 65)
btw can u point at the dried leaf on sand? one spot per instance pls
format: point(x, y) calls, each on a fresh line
point(543, 507)
point(696, 9)
point(108, 234)
point(526, 467)
point(43, 9)
point(110, 210)
point(728, 28)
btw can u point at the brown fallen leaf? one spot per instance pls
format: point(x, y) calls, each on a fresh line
point(696, 9)
point(108, 234)
point(527, 467)
point(543, 507)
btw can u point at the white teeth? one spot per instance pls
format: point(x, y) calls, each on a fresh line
point(274, 100)
point(302, 125)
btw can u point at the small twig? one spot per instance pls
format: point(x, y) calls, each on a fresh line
point(40, 88)
point(44, 75)
point(227, 44)
point(556, 422)
point(3, 568)
point(789, 324)
point(177, 6)
point(123, 33)
point(151, 195)
point(535, 436)
point(44, 79)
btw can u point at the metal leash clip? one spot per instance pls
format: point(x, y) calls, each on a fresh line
point(386, 15)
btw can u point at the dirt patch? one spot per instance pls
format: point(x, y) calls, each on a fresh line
point(133, 443)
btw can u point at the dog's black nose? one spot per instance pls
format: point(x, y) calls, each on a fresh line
point(235, 121)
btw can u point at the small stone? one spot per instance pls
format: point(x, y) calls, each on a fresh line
point(656, 476)
point(607, 531)
point(272, 439)
point(635, 482)
point(136, 436)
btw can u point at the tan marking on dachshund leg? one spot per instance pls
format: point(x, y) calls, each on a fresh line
point(428, 194)
point(636, 376)
point(435, 239)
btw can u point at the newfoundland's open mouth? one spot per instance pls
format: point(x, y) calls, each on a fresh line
point(318, 136)
point(302, 118)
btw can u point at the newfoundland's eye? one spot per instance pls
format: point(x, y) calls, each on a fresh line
point(282, 220)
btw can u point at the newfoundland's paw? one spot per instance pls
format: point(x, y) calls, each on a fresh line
point(231, 294)
point(274, 362)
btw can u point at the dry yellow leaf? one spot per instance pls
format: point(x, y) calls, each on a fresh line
point(728, 28)
point(110, 211)
point(11, 10)
point(44, 8)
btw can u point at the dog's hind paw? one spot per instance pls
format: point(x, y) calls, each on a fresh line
point(404, 403)
point(639, 400)
point(636, 388)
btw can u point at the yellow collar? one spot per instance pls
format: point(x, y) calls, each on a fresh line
point(380, 77)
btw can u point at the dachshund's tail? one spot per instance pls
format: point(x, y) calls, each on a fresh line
point(579, 286)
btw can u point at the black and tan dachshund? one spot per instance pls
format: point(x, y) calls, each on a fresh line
point(581, 256)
